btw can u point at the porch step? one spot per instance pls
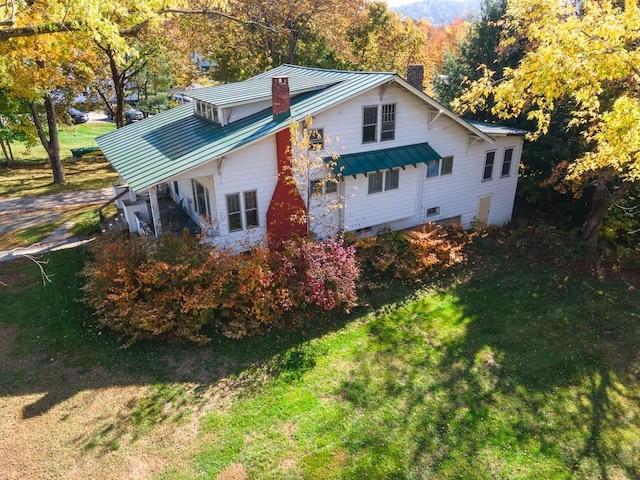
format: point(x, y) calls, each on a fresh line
point(115, 224)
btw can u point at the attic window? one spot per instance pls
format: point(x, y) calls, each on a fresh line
point(206, 110)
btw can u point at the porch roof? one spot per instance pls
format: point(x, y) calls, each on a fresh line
point(355, 163)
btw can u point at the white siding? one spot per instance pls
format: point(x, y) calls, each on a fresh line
point(252, 168)
point(363, 210)
point(241, 111)
point(456, 194)
point(255, 168)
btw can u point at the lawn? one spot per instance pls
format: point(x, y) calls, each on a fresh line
point(518, 366)
point(31, 173)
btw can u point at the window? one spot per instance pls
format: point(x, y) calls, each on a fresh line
point(369, 124)
point(251, 208)
point(387, 123)
point(316, 139)
point(201, 199)
point(433, 167)
point(488, 165)
point(447, 166)
point(442, 166)
point(388, 128)
point(433, 211)
point(235, 210)
point(326, 186)
point(207, 111)
point(506, 162)
point(315, 187)
point(375, 182)
point(331, 185)
point(390, 179)
point(234, 214)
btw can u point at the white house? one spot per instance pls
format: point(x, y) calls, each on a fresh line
point(404, 159)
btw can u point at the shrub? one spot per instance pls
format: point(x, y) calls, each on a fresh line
point(250, 299)
point(410, 255)
point(171, 288)
point(142, 288)
point(320, 274)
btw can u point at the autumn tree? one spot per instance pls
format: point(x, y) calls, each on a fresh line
point(312, 163)
point(583, 56)
point(35, 69)
point(481, 46)
point(380, 40)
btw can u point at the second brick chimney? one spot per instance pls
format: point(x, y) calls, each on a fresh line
point(280, 98)
point(415, 76)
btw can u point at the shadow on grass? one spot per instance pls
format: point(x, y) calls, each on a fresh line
point(522, 364)
point(59, 351)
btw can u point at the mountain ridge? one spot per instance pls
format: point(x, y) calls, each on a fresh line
point(439, 12)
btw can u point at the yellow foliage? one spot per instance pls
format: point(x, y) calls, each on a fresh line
point(586, 56)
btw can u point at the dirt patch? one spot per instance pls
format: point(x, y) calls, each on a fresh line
point(237, 471)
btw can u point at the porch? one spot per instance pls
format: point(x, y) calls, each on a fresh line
point(153, 213)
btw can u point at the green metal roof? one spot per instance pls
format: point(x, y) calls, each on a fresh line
point(496, 130)
point(256, 89)
point(376, 160)
point(161, 147)
point(153, 150)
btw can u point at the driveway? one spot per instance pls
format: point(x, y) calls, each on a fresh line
point(17, 213)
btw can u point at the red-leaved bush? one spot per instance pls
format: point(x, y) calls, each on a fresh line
point(320, 274)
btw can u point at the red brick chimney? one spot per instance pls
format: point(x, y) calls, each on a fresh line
point(280, 98)
point(415, 76)
point(286, 201)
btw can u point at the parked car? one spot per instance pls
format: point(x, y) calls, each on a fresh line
point(78, 116)
point(133, 115)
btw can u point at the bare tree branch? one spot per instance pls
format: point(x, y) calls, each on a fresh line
point(46, 278)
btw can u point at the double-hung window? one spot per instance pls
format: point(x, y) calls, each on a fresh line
point(384, 180)
point(506, 162)
point(433, 167)
point(388, 126)
point(438, 167)
point(375, 182)
point(325, 186)
point(489, 160)
point(392, 179)
point(242, 211)
point(386, 121)
point(316, 139)
point(370, 124)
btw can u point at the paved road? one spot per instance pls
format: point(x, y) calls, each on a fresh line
point(24, 212)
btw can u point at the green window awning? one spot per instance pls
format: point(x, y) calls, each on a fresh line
point(356, 163)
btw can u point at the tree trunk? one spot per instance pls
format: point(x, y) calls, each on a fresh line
point(5, 152)
point(51, 144)
point(600, 204)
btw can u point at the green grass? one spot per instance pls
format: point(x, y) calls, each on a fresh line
point(71, 136)
point(518, 367)
point(31, 172)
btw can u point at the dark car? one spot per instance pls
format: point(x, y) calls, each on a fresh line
point(133, 115)
point(78, 116)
